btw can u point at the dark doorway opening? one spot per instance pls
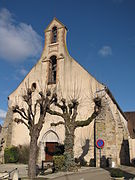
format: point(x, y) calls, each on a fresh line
point(50, 150)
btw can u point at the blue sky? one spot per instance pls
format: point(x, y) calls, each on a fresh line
point(101, 37)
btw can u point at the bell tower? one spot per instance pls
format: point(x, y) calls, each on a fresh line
point(55, 40)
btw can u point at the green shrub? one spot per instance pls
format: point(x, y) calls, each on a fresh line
point(11, 154)
point(23, 154)
point(59, 162)
point(116, 173)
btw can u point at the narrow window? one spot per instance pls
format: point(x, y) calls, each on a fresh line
point(54, 34)
point(33, 86)
point(52, 70)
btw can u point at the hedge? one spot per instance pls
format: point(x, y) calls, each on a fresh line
point(11, 154)
point(19, 154)
point(59, 162)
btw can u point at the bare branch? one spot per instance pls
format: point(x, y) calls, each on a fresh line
point(62, 107)
point(35, 109)
point(31, 112)
point(70, 107)
point(41, 94)
point(73, 108)
point(74, 114)
point(75, 104)
point(59, 123)
point(58, 105)
point(43, 110)
point(54, 113)
point(97, 110)
point(83, 123)
point(22, 113)
point(28, 99)
point(30, 120)
point(44, 106)
point(17, 120)
point(23, 110)
point(53, 99)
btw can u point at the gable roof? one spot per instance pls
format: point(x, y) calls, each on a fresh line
point(115, 102)
point(58, 22)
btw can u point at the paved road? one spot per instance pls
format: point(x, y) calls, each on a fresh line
point(90, 174)
point(22, 169)
point(84, 173)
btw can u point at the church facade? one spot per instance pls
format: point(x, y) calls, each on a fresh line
point(58, 71)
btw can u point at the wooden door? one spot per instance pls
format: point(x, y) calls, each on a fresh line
point(50, 146)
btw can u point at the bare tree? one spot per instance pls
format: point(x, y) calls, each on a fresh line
point(69, 114)
point(28, 117)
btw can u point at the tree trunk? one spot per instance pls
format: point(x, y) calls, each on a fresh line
point(32, 156)
point(69, 144)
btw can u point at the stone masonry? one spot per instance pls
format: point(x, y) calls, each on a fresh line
point(6, 132)
point(115, 136)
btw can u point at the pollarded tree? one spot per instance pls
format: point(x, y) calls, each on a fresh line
point(33, 117)
point(69, 114)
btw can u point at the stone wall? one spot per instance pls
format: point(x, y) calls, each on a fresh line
point(111, 129)
point(6, 132)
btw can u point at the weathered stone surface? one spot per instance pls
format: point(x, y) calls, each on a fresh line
point(112, 130)
point(6, 132)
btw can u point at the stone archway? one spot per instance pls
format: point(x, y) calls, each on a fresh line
point(49, 140)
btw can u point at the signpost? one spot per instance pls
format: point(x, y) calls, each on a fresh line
point(100, 144)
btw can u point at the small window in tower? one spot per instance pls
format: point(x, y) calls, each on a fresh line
point(33, 86)
point(52, 70)
point(54, 34)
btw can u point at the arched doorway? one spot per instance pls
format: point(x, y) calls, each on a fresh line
point(48, 144)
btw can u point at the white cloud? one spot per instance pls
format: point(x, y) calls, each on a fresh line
point(105, 51)
point(18, 41)
point(23, 72)
point(2, 114)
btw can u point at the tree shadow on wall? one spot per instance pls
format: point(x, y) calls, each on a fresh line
point(85, 149)
point(124, 153)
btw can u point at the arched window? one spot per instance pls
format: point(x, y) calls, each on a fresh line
point(52, 70)
point(33, 86)
point(54, 34)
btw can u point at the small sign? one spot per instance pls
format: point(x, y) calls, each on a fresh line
point(100, 143)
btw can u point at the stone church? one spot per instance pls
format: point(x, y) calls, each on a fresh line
point(58, 71)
